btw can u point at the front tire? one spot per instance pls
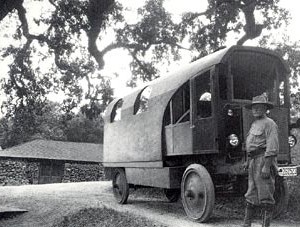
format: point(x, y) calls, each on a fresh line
point(120, 186)
point(197, 193)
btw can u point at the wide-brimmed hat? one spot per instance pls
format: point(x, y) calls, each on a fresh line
point(261, 99)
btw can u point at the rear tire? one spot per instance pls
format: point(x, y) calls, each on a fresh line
point(120, 185)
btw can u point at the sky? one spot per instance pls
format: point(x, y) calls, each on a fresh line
point(117, 61)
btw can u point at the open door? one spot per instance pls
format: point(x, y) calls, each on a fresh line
point(178, 133)
point(203, 120)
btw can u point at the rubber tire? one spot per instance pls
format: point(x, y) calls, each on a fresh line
point(172, 194)
point(281, 196)
point(201, 174)
point(120, 185)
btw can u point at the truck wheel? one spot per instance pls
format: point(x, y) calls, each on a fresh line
point(281, 196)
point(172, 194)
point(120, 185)
point(197, 193)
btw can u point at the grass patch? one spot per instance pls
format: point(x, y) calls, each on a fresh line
point(293, 210)
point(104, 217)
point(235, 206)
point(294, 182)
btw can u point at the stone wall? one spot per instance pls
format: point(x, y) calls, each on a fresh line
point(17, 172)
point(77, 172)
point(32, 172)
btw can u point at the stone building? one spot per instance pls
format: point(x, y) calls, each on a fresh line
point(46, 161)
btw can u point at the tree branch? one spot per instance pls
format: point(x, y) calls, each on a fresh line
point(96, 15)
point(134, 46)
point(252, 30)
point(52, 2)
point(141, 64)
point(213, 9)
point(24, 24)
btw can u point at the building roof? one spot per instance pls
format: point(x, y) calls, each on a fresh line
point(56, 150)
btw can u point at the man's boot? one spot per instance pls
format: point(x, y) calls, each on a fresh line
point(249, 212)
point(267, 214)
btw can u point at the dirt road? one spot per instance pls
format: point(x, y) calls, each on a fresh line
point(47, 204)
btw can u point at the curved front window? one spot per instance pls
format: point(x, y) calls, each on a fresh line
point(254, 74)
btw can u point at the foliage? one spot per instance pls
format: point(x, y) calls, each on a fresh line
point(153, 39)
point(31, 121)
point(68, 59)
point(154, 33)
point(294, 201)
point(208, 30)
point(50, 122)
point(82, 129)
point(63, 48)
point(291, 52)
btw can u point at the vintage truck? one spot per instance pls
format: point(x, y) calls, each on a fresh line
point(185, 132)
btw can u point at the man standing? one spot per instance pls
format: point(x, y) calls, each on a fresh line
point(262, 148)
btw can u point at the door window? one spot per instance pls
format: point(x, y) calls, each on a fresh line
point(180, 106)
point(203, 95)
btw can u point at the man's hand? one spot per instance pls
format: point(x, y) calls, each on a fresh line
point(265, 172)
point(245, 165)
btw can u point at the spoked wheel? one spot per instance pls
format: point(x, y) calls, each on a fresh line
point(172, 194)
point(120, 186)
point(197, 193)
point(281, 196)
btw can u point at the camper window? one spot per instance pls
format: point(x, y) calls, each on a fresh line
point(116, 112)
point(142, 101)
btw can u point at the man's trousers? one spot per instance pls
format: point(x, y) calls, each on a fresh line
point(260, 191)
